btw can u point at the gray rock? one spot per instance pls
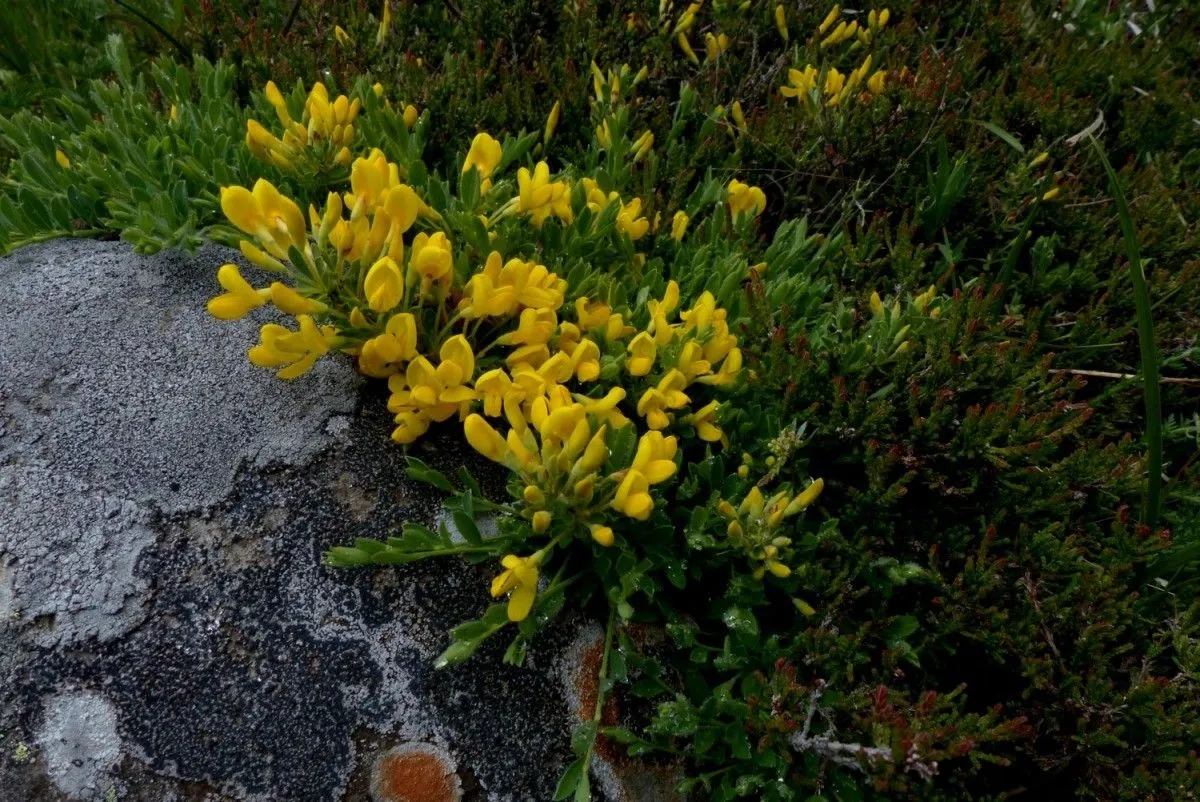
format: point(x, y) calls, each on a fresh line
point(167, 628)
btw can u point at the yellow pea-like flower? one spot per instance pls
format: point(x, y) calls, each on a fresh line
point(875, 84)
point(686, 46)
point(603, 535)
point(239, 297)
point(484, 439)
point(62, 159)
point(520, 579)
point(781, 23)
point(484, 155)
point(292, 302)
point(384, 285)
point(679, 224)
point(642, 352)
point(633, 497)
point(744, 199)
point(551, 121)
point(830, 18)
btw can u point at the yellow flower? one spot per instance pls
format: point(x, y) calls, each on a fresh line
point(714, 46)
point(630, 221)
point(383, 355)
point(1051, 194)
point(781, 23)
point(500, 290)
point(541, 521)
point(702, 419)
point(265, 213)
point(686, 47)
point(484, 439)
point(495, 388)
point(292, 302)
point(552, 121)
point(239, 297)
point(876, 304)
point(294, 352)
point(834, 81)
point(633, 497)
point(603, 136)
point(432, 260)
point(585, 361)
point(679, 224)
point(727, 373)
point(830, 18)
point(385, 23)
point(591, 314)
point(384, 285)
point(62, 159)
point(484, 156)
point(519, 579)
point(884, 16)
point(642, 351)
point(655, 457)
point(603, 535)
point(1040, 159)
point(800, 84)
point(876, 81)
point(745, 199)
point(806, 498)
point(540, 197)
point(411, 115)
point(642, 146)
point(739, 118)
point(660, 310)
point(342, 37)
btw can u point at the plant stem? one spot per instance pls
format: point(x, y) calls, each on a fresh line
point(601, 687)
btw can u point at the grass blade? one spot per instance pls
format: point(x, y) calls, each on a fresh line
point(1005, 136)
point(1145, 321)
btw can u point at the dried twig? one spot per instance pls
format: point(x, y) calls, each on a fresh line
point(852, 755)
point(1104, 374)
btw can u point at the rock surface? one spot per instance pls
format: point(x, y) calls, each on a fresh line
point(167, 628)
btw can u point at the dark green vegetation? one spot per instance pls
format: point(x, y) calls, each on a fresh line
point(994, 578)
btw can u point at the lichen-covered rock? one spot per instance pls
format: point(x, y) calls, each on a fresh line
point(167, 628)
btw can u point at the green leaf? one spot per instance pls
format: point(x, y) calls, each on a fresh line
point(1004, 136)
point(739, 619)
point(900, 628)
point(1149, 353)
point(420, 471)
point(467, 527)
point(583, 737)
point(569, 780)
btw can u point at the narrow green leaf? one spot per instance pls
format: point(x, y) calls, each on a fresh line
point(1149, 351)
point(1004, 136)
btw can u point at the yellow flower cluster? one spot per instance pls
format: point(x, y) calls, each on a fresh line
point(829, 87)
point(540, 198)
point(629, 219)
point(672, 356)
point(326, 128)
point(744, 199)
point(835, 87)
point(754, 525)
point(376, 275)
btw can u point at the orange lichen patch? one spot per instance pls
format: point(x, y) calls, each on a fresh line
point(415, 773)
